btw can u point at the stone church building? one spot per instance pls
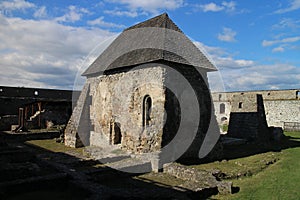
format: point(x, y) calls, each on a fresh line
point(133, 92)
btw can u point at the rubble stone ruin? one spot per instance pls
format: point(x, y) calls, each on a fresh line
point(248, 119)
point(139, 93)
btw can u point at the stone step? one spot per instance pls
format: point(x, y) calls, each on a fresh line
point(132, 165)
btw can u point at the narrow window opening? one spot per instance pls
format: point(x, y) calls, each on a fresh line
point(147, 104)
point(220, 96)
point(240, 104)
point(36, 93)
point(222, 108)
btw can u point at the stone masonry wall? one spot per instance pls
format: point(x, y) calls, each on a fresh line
point(280, 105)
point(278, 112)
point(117, 102)
point(76, 126)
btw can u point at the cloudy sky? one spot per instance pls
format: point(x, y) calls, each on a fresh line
point(255, 44)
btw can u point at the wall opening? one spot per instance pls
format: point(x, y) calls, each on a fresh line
point(222, 108)
point(223, 119)
point(240, 104)
point(220, 97)
point(117, 136)
point(297, 94)
point(36, 93)
point(147, 104)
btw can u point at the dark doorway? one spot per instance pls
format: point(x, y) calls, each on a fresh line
point(117, 136)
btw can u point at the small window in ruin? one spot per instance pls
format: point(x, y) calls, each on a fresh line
point(222, 108)
point(1, 90)
point(269, 93)
point(36, 93)
point(223, 119)
point(242, 93)
point(117, 133)
point(240, 104)
point(220, 96)
point(147, 104)
point(298, 95)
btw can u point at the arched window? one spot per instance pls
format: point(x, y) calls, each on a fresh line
point(147, 104)
point(222, 108)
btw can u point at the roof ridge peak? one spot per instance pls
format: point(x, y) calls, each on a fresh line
point(160, 21)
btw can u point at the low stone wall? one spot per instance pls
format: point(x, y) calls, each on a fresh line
point(292, 126)
point(6, 122)
point(202, 179)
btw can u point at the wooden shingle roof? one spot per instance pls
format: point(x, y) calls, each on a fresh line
point(156, 39)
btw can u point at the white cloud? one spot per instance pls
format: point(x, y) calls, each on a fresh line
point(120, 13)
point(73, 14)
point(294, 5)
point(100, 22)
point(287, 23)
point(243, 74)
point(41, 12)
point(43, 53)
point(151, 5)
point(278, 49)
point(228, 35)
point(16, 5)
point(266, 43)
point(213, 7)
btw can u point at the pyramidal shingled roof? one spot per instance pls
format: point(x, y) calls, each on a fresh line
point(156, 39)
point(160, 21)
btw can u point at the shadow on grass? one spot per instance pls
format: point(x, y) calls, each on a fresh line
point(51, 175)
point(230, 152)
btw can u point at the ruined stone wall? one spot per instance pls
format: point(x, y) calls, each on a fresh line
point(280, 111)
point(280, 105)
point(222, 117)
point(6, 122)
point(117, 106)
point(78, 127)
point(191, 90)
point(250, 123)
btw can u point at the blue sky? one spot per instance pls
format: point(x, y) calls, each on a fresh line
point(255, 44)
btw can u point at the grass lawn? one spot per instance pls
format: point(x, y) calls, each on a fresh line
point(279, 181)
point(269, 175)
point(51, 145)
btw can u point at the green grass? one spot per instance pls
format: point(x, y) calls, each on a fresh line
point(279, 181)
point(52, 145)
point(224, 127)
point(270, 175)
point(241, 167)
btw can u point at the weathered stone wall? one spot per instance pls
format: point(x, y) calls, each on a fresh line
point(117, 103)
point(114, 108)
point(278, 112)
point(252, 124)
point(6, 122)
point(191, 90)
point(77, 128)
point(199, 179)
point(280, 105)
